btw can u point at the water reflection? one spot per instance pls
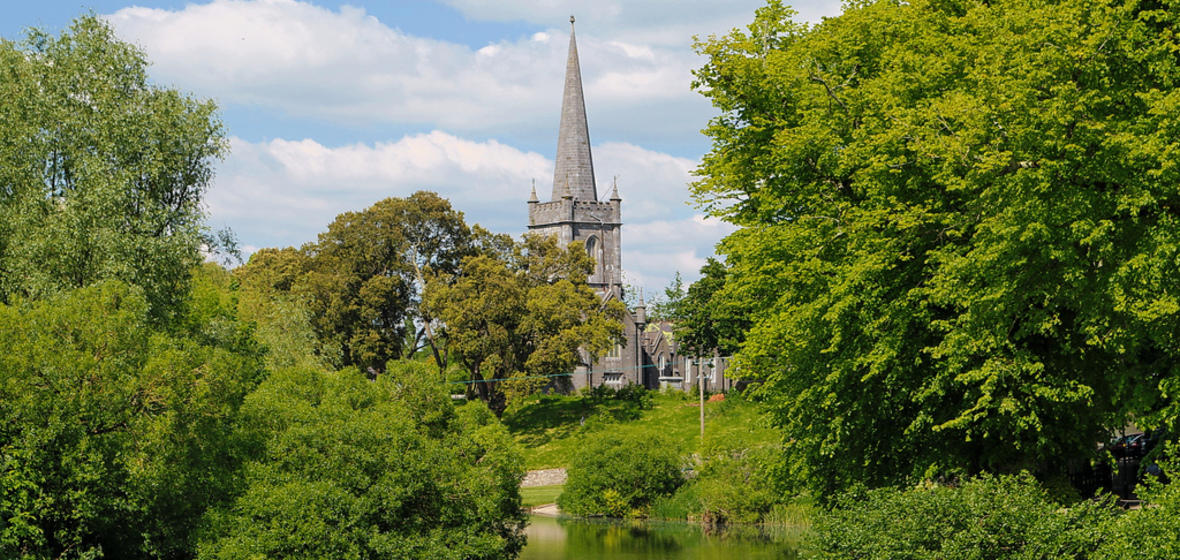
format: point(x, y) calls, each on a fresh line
point(587, 539)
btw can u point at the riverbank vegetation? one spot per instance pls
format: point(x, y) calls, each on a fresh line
point(606, 438)
point(956, 258)
point(551, 428)
point(153, 406)
point(956, 271)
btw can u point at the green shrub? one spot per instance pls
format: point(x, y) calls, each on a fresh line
point(734, 486)
point(597, 394)
point(1148, 533)
point(620, 475)
point(683, 504)
point(991, 517)
point(346, 467)
point(635, 395)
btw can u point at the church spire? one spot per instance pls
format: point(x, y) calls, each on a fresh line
point(574, 172)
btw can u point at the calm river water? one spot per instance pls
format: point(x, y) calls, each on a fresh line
point(581, 539)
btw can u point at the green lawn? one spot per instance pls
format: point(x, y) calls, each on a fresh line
point(539, 495)
point(549, 428)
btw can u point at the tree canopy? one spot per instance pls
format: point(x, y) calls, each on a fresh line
point(345, 467)
point(959, 242)
point(526, 314)
point(361, 281)
point(707, 322)
point(137, 416)
point(113, 435)
point(101, 172)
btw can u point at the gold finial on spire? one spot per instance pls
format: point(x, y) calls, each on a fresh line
point(571, 20)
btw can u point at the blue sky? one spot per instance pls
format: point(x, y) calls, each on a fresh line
point(333, 106)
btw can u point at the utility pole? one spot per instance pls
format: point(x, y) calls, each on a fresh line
point(701, 393)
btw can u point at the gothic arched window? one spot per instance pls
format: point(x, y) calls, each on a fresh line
point(592, 249)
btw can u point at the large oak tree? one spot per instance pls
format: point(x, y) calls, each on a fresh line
point(362, 280)
point(959, 228)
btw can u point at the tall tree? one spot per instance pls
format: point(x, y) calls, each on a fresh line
point(669, 306)
point(101, 172)
point(708, 322)
point(959, 238)
point(517, 323)
point(363, 278)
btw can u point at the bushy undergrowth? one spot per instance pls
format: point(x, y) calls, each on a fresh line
point(1148, 533)
point(990, 517)
point(620, 475)
point(733, 482)
point(734, 485)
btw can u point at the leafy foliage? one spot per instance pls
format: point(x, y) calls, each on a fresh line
point(735, 484)
point(112, 435)
point(1151, 532)
point(708, 321)
point(992, 517)
point(362, 280)
point(620, 474)
point(668, 306)
point(959, 242)
point(101, 173)
point(516, 320)
point(351, 468)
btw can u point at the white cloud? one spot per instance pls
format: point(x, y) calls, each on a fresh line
point(658, 22)
point(347, 67)
point(652, 185)
point(284, 192)
point(654, 251)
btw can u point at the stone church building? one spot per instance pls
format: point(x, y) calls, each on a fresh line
point(574, 212)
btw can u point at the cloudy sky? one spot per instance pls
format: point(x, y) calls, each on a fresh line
point(333, 106)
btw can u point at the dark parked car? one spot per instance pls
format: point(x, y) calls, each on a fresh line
point(1130, 445)
point(1136, 445)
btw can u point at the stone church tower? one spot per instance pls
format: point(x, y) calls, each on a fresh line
point(649, 357)
point(574, 212)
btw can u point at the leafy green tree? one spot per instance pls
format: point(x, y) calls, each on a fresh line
point(112, 434)
point(283, 318)
point(620, 475)
point(708, 321)
point(352, 468)
point(363, 278)
point(959, 243)
point(667, 307)
point(101, 172)
point(514, 323)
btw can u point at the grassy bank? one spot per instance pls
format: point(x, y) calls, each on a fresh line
point(539, 495)
point(550, 427)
